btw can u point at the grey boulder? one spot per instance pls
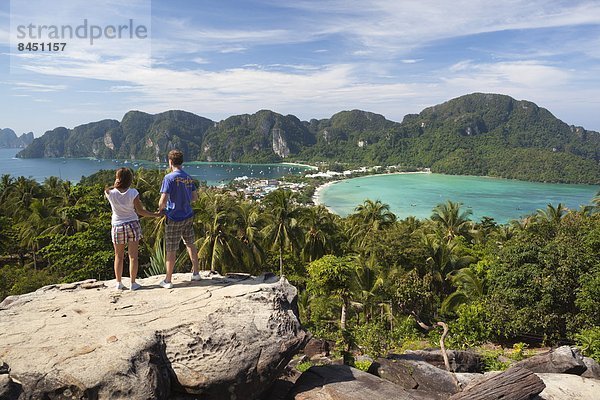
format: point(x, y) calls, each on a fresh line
point(336, 382)
point(562, 360)
point(410, 372)
point(218, 338)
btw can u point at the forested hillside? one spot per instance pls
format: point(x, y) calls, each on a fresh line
point(476, 134)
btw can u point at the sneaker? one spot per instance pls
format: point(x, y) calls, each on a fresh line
point(166, 285)
point(120, 286)
point(135, 286)
point(196, 277)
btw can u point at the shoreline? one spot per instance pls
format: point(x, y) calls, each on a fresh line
point(299, 165)
point(316, 197)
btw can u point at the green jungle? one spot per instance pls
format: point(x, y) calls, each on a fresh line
point(362, 279)
point(476, 134)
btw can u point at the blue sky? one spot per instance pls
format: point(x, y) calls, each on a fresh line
point(307, 58)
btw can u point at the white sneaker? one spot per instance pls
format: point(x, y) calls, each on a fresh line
point(135, 286)
point(195, 277)
point(166, 285)
point(120, 286)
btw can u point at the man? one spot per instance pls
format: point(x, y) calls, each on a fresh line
point(178, 191)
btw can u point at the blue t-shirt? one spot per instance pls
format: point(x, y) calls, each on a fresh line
point(179, 186)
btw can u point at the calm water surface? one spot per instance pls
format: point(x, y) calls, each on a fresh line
point(73, 169)
point(417, 194)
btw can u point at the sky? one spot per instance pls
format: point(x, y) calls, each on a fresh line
point(302, 57)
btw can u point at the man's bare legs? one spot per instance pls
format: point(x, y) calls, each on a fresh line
point(193, 253)
point(170, 265)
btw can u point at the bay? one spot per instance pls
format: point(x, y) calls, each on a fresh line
point(417, 194)
point(74, 168)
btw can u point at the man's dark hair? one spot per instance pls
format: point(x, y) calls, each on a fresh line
point(176, 156)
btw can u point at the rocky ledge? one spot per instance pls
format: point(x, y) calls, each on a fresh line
point(218, 338)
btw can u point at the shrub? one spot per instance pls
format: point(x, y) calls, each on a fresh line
point(491, 361)
point(372, 338)
point(471, 328)
point(304, 366)
point(588, 340)
point(519, 350)
point(363, 365)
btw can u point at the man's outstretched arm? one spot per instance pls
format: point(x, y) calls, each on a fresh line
point(162, 203)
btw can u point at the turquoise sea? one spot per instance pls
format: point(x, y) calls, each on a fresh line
point(418, 194)
point(73, 169)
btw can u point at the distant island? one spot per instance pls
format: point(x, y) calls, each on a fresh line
point(10, 140)
point(476, 134)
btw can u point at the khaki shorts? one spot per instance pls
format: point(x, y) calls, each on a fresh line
point(177, 230)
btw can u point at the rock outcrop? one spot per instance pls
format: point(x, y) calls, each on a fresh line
point(568, 386)
point(219, 338)
point(562, 360)
point(593, 368)
point(411, 372)
point(460, 361)
point(335, 382)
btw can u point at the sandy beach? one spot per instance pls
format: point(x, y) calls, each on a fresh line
point(299, 165)
point(316, 195)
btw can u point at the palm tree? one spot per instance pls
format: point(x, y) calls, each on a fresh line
point(552, 214)
point(67, 221)
point(22, 194)
point(468, 288)
point(282, 230)
point(522, 224)
point(248, 221)
point(369, 217)
point(33, 226)
point(218, 247)
point(504, 233)
point(369, 280)
point(147, 182)
point(6, 185)
point(443, 257)
point(452, 221)
point(320, 231)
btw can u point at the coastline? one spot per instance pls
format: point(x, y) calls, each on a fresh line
point(316, 197)
point(299, 165)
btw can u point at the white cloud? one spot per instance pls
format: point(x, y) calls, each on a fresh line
point(233, 49)
point(200, 60)
point(524, 75)
point(400, 26)
point(37, 87)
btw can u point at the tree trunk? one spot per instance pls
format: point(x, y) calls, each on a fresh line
point(343, 318)
point(212, 259)
point(280, 261)
point(513, 384)
point(443, 346)
point(34, 257)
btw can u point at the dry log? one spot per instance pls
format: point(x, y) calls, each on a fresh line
point(513, 384)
